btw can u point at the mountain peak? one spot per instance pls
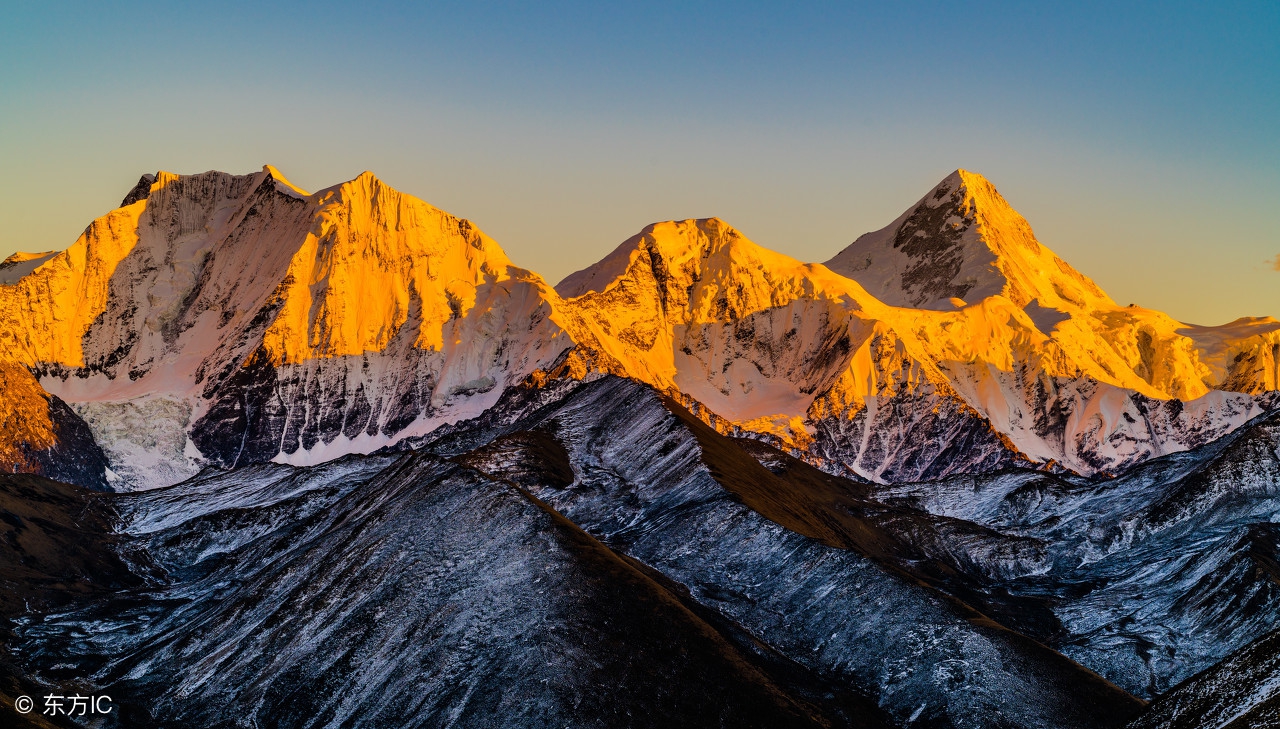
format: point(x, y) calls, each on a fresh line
point(969, 178)
point(283, 184)
point(680, 245)
point(963, 242)
point(140, 191)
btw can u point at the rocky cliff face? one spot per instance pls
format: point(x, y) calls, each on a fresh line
point(40, 434)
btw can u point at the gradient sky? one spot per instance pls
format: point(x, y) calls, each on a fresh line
point(1141, 140)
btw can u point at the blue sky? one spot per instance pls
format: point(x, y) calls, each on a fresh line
point(1139, 139)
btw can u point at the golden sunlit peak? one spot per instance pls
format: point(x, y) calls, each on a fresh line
point(367, 177)
point(163, 178)
point(979, 188)
point(282, 180)
point(963, 240)
point(366, 180)
point(968, 176)
point(680, 241)
point(976, 189)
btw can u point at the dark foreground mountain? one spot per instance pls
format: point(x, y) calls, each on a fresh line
point(1150, 577)
point(591, 554)
point(537, 568)
point(466, 603)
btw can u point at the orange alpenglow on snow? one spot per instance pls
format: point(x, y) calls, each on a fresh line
point(235, 319)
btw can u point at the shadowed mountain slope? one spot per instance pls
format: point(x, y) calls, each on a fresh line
point(58, 547)
point(398, 591)
point(1240, 692)
point(579, 515)
point(39, 434)
point(1152, 576)
point(798, 560)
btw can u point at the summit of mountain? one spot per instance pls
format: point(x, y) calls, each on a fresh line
point(683, 252)
point(963, 242)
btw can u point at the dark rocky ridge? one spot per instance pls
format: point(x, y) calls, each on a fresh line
point(933, 246)
point(1151, 576)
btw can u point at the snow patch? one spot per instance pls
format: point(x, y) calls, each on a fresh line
point(144, 439)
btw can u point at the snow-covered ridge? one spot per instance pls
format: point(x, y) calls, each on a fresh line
point(244, 319)
point(892, 392)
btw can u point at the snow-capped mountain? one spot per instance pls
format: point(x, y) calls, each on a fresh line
point(221, 319)
point(1042, 352)
point(1039, 367)
point(775, 346)
point(962, 242)
point(230, 319)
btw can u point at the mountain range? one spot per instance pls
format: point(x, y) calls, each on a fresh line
point(275, 456)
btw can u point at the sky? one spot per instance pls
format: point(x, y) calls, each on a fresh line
point(1139, 139)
